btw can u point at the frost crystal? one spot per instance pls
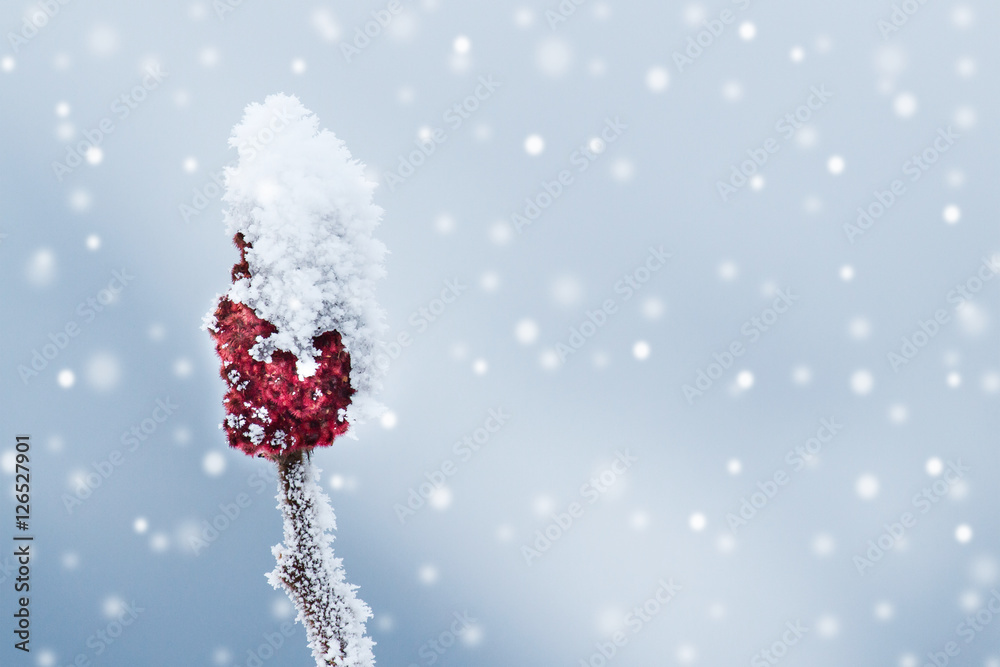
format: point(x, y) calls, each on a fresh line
point(312, 576)
point(304, 209)
point(255, 433)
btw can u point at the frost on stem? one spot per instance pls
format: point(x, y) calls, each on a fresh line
point(312, 576)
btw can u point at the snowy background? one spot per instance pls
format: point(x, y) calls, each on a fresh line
point(126, 547)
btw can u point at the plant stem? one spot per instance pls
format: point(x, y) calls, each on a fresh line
point(312, 576)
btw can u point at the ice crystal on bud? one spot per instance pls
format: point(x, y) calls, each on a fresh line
point(299, 329)
point(272, 398)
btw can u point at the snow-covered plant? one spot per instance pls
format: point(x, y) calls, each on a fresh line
point(297, 334)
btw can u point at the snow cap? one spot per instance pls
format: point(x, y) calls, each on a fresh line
point(304, 209)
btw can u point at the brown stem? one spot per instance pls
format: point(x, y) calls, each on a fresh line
point(311, 575)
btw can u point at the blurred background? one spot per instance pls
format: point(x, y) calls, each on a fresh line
point(739, 138)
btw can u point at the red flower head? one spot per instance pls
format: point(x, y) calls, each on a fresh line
point(270, 411)
point(298, 330)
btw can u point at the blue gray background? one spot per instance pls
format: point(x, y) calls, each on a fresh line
point(666, 518)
